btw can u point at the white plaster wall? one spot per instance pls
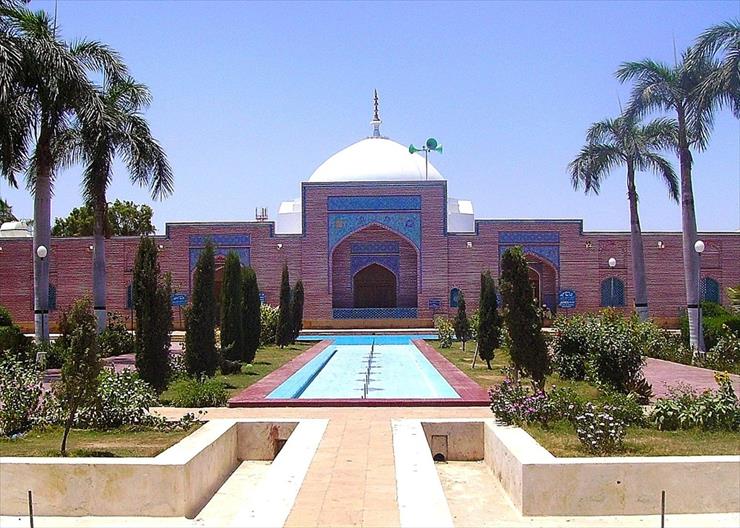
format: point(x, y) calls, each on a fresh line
point(464, 439)
point(257, 440)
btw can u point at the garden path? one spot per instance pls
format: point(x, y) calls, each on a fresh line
point(664, 374)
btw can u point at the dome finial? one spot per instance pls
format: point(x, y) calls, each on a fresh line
point(376, 115)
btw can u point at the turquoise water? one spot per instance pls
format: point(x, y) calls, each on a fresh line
point(354, 367)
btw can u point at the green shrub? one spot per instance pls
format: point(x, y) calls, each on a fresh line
point(711, 410)
point(607, 349)
point(115, 340)
point(296, 310)
point(599, 431)
point(486, 320)
point(572, 345)
point(14, 344)
point(513, 404)
point(229, 367)
point(20, 389)
point(203, 392)
point(268, 324)
point(624, 407)
point(716, 322)
point(725, 355)
point(122, 399)
point(5, 318)
point(445, 331)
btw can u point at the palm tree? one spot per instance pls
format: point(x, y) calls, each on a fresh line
point(47, 88)
point(6, 212)
point(658, 86)
point(622, 141)
point(121, 132)
point(722, 86)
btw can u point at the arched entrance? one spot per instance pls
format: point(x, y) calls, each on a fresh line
point(374, 287)
point(534, 280)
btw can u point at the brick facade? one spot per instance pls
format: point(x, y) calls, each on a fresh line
point(430, 261)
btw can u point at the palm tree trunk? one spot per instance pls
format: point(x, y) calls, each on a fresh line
point(688, 224)
point(99, 273)
point(42, 237)
point(638, 253)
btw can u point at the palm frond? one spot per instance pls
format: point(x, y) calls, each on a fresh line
point(653, 162)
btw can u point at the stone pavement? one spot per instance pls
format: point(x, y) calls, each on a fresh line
point(664, 374)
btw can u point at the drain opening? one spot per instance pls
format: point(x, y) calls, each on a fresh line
point(439, 457)
point(279, 443)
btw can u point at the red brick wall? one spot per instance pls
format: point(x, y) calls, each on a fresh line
point(445, 261)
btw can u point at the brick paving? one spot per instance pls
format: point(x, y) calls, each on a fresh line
point(664, 374)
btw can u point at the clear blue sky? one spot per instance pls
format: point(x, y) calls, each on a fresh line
point(249, 98)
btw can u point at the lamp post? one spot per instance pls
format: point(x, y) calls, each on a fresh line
point(430, 145)
point(700, 349)
point(612, 264)
point(41, 253)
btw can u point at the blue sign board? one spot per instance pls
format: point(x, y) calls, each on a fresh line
point(435, 304)
point(179, 299)
point(567, 299)
point(263, 298)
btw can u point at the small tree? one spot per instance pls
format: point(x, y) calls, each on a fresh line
point(296, 310)
point(231, 308)
point(251, 314)
point(462, 324)
point(284, 333)
point(527, 349)
point(489, 320)
point(79, 381)
point(200, 321)
point(151, 293)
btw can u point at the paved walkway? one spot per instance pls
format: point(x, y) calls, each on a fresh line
point(664, 374)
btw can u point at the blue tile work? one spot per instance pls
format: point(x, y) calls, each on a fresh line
point(518, 238)
point(391, 262)
point(549, 253)
point(244, 255)
point(343, 224)
point(375, 248)
point(545, 244)
point(375, 313)
point(220, 240)
point(224, 243)
point(374, 203)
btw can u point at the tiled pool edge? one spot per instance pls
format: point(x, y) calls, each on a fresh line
point(471, 394)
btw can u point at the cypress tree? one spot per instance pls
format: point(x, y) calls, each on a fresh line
point(284, 332)
point(251, 324)
point(79, 382)
point(489, 321)
point(231, 309)
point(527, 349)
point(462, 324)
point(200, 322)
point(153, 312)
point(296, 309)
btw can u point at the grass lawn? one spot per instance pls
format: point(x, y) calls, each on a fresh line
point(486, 378)
point(561, 441)
point(122, 442)
point(266, 360)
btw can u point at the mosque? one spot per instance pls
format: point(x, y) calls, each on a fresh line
point(379, 243)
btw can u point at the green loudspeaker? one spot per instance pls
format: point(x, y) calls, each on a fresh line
point(413, 149)
point(433, 145)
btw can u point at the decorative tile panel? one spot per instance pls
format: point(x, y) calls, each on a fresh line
point(244, 256)
point(375, 248)
point(374, 313)
point(343, 224)
point(549, 253)
point(374, 203)
point(220, 240)
point(528, 237)
point(390, 262)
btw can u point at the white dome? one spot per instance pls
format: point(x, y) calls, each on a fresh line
point(374, 159)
